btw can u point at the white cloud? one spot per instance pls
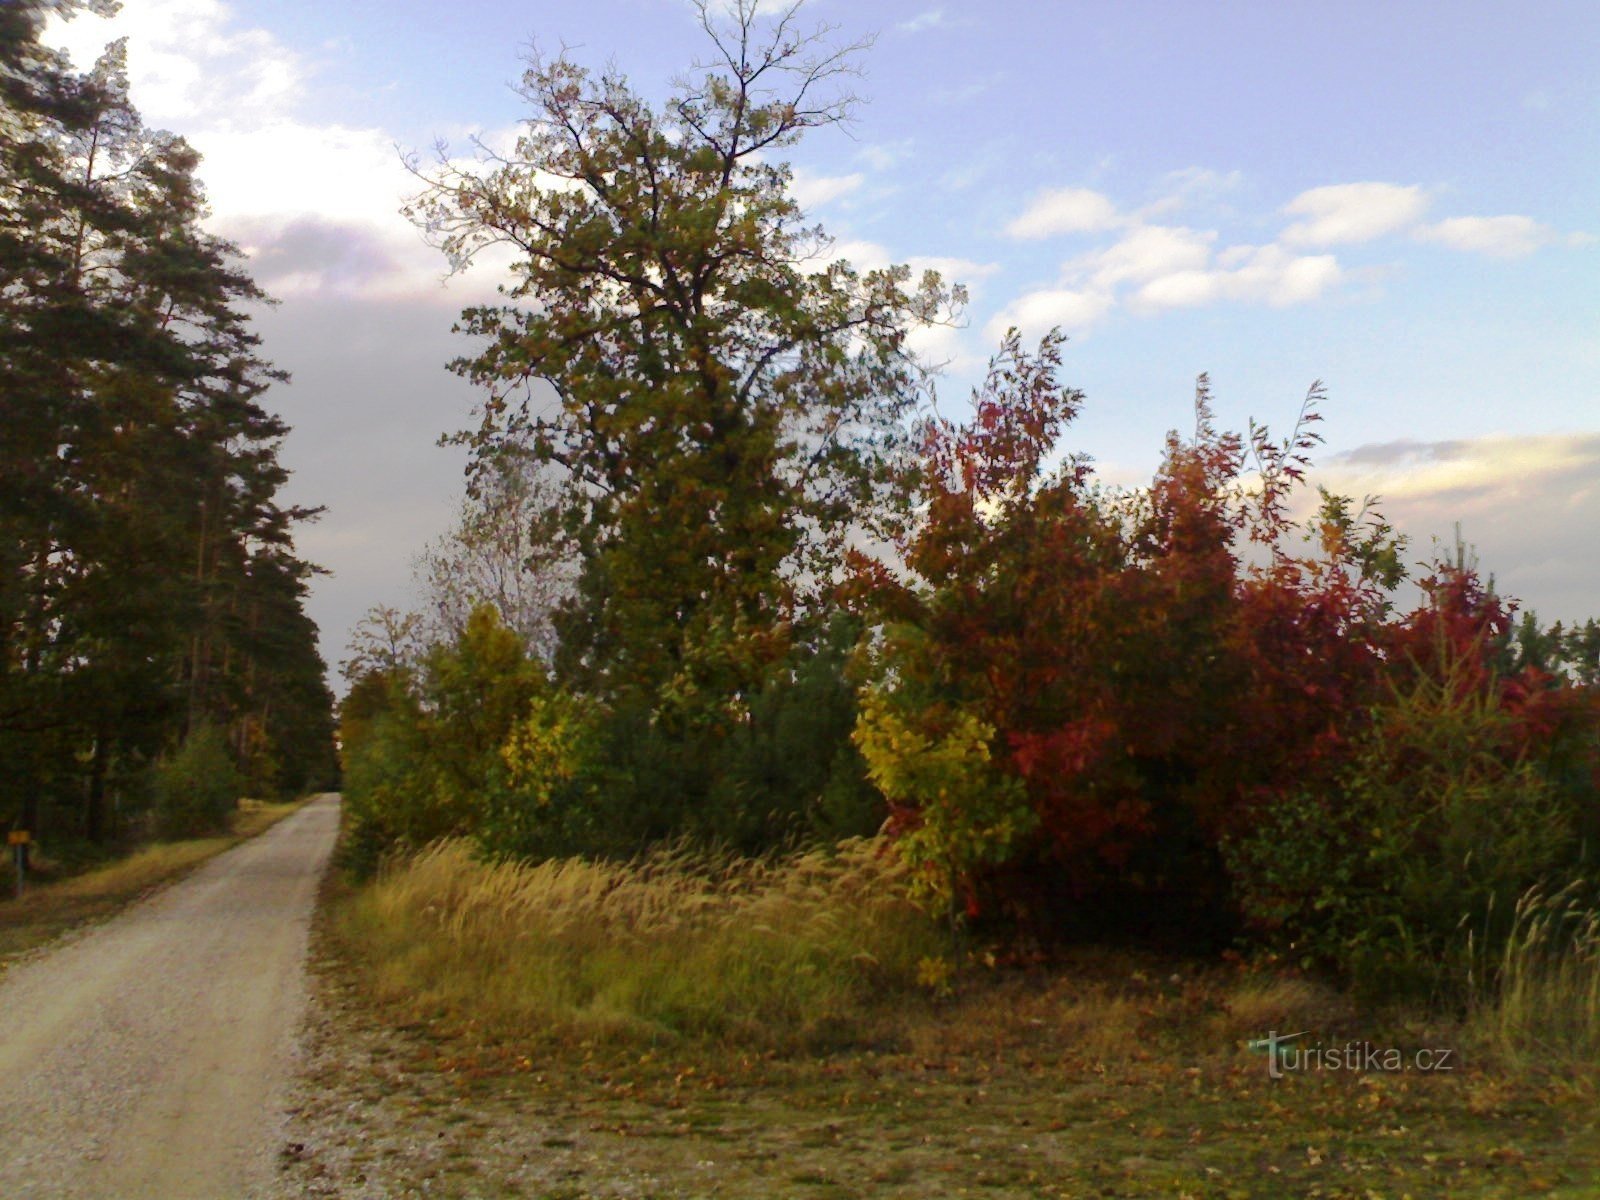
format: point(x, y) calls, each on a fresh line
point(288, 166)
point(1146, 252)
point(964, 175)
point(858, 252)
point(1352, 212)
point(277, 177)
point(881, 156)
point(1471, 472)
point(1151, 268)
point(1500, 237)
point(1517, 498)
point(315, 205)
point(954, 270)
point(1273, 275)
point(1037, 312)
point(932, 18)
point(944, 347)
point(187, 57)
point(811, 190)
point(1248, 274)
point(970, 90)
point(1065, 210)
point(1191, 185)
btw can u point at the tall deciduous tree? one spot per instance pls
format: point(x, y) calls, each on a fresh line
point(725, 400)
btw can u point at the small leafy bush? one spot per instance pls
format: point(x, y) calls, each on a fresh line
point(954, 812)
point(195, 789)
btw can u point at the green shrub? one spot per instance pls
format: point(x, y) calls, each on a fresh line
point(1436, 823)
point(422, 752)
point(936, 764)
point(577, 776)
point(390, 800)
point(195, 790)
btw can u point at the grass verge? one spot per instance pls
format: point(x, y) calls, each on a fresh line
point(797, 952)
point(1108, 1075)
point(47, 910)
point(458, 1066)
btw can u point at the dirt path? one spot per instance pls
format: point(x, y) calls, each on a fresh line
point(150, 1058)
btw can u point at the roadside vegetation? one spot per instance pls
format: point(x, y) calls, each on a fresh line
point(793, 952)
point(59, 897)
point(1103, 1073)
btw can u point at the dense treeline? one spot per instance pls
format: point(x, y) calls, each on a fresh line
point(796, 603)
point(150, 595)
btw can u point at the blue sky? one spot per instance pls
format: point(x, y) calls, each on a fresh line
point(1399, 199)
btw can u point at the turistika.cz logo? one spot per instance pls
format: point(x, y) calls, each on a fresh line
point(1287, 1054)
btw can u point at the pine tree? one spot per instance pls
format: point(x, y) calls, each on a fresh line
point(140, 537)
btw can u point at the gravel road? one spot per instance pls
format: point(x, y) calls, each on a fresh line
point(151, 1057)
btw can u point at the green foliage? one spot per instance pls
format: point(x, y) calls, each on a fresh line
point(787, 771)
point(389, 799)
point(195, 789)
point(424, 745)
point(1435, 824)
point(474, 741)
point(725, 408)
point(935, 768)
point(544, 797)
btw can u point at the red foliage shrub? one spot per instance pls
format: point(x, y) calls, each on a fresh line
point(1160, 665)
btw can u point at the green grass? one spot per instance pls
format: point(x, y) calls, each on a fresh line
point(48, 909)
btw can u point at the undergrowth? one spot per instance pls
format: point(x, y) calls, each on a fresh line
point(823, 951)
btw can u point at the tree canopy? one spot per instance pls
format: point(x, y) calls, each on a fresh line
point(725, 399)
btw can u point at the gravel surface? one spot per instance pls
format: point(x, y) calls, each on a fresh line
point(152, 1057)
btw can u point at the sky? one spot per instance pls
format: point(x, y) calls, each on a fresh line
point(1399, 199)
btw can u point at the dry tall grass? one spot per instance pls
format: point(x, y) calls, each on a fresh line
point(790, 952)
point(1539, 1005)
